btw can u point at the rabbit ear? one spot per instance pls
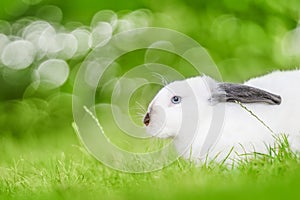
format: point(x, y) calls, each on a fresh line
point(228, 92)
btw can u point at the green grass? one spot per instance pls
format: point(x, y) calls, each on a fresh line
point(56, 166)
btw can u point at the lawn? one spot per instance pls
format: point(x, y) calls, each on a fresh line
point(58, 167)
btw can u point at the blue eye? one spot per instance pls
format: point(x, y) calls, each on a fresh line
point(176, 99)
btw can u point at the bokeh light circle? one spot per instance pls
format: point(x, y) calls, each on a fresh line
point(3, 42)
point(101, 34)
point(18, 54)
point(83, 37)
point(53, 71)
point(50, 13)
point(67, 45)
point(107, 16)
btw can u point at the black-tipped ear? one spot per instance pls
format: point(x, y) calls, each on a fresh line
point(228, 92)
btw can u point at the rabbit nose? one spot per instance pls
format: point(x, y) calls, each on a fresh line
point(147, 119)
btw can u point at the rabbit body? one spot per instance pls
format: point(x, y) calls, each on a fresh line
point(242, 128)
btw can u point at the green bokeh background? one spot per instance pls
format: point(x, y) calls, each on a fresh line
point(243, 37)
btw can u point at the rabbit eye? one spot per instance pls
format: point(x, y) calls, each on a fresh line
point(176, 99)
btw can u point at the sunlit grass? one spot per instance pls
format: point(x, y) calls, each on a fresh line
point(58, 167)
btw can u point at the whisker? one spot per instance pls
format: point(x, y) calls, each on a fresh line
point(141, 106)
point(163, 79)
point(138, 112)
point(139, 115)
point(137, 109)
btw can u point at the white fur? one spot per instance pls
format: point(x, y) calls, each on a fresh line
point(240, 130)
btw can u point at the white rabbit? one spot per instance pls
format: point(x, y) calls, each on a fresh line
point(191, 113)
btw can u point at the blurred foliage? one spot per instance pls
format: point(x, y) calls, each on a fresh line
point(38, 157)
point(244, 39)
